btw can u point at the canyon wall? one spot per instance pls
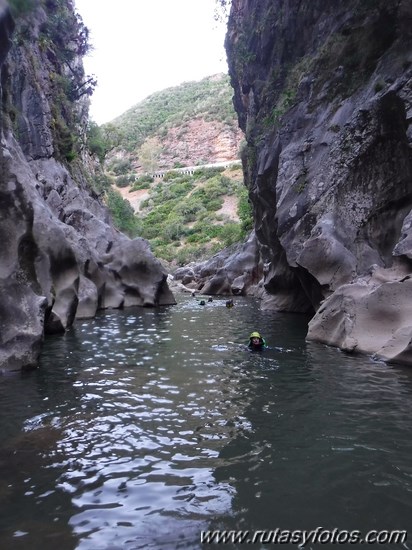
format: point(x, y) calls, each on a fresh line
point(60, 256)
point(323, 92)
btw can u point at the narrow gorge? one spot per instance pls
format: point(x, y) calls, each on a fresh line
point(323, 94)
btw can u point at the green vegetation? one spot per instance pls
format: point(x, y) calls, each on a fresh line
point(96, 141)
point(302, 180)
point(333, 71)
point(125, 181)
point(122, 213)
point(244, 210)
point(63, 39)
point(180, 217)
point(285, 101)
point(334, 128)
point(356, 49)
point(379, 86)
point(19, 8)
point(143, 182)
point(210, 98)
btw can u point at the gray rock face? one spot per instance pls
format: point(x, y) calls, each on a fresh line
point(357, 316)
point(234, 271)
point(324, 95)
point(61, 258)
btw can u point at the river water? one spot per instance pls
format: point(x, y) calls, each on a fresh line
point(142, 427)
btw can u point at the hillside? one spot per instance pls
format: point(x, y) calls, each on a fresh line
point(187, 125)
point(184, 216)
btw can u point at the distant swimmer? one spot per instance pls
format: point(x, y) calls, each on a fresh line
point(256, 342)
point(229, 303)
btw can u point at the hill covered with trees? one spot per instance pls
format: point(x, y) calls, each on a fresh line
point(191, 124)
point(184, 216)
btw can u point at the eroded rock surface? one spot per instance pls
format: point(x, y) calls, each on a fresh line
point(60, 256)
point(234, 271)
point(323, 92)
point(357, 315)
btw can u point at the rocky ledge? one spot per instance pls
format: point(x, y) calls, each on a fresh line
point(236, 271)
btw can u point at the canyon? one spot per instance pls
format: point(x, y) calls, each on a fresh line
point(323, 96)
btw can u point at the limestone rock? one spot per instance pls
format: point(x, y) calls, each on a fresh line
point(88, 299)
point(370, 316)
point(138, 277)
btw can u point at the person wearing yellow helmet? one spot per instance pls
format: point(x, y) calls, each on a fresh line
point(256, 342)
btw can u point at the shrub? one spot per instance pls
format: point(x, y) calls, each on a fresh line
point(174, 229)
point(207, 173)
point(379, 86)
point(189, 207)
point(121, 166)
point(230, 234)
point(171, 176)
point(145, 179)
point(124, 181)
point(244, 210)
point(137, 186)
point(215, 204)
point(145, 204)
point(122, 213)
point(95, 141)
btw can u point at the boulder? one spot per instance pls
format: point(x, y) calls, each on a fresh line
point(236, 270)
point(372, 315)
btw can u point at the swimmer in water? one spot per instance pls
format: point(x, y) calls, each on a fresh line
point(256, 342)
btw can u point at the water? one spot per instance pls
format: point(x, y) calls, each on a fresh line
point(143, 427)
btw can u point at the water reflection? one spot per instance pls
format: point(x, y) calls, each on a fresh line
point(143, 427)
point(329, 446)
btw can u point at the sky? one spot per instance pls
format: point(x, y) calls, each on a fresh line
point(144, 46)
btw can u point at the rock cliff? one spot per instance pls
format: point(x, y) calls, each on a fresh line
point(323, 92)
point(199, 141)
point(61, 257)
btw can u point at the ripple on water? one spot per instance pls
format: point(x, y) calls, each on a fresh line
point(146, 427)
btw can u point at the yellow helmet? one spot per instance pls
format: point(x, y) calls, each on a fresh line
point(255, 335)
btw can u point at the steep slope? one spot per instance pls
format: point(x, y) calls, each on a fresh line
point(61, 258)
point(186, 125)
point(176, 158)
point(323, 91)
point(188, 216)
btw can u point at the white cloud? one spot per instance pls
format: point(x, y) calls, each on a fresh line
point(143, 46)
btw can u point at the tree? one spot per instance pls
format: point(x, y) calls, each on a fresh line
point(96, 142)
point(149, 154)
point(123, 214)
point(222, 10)
point(112, 136)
